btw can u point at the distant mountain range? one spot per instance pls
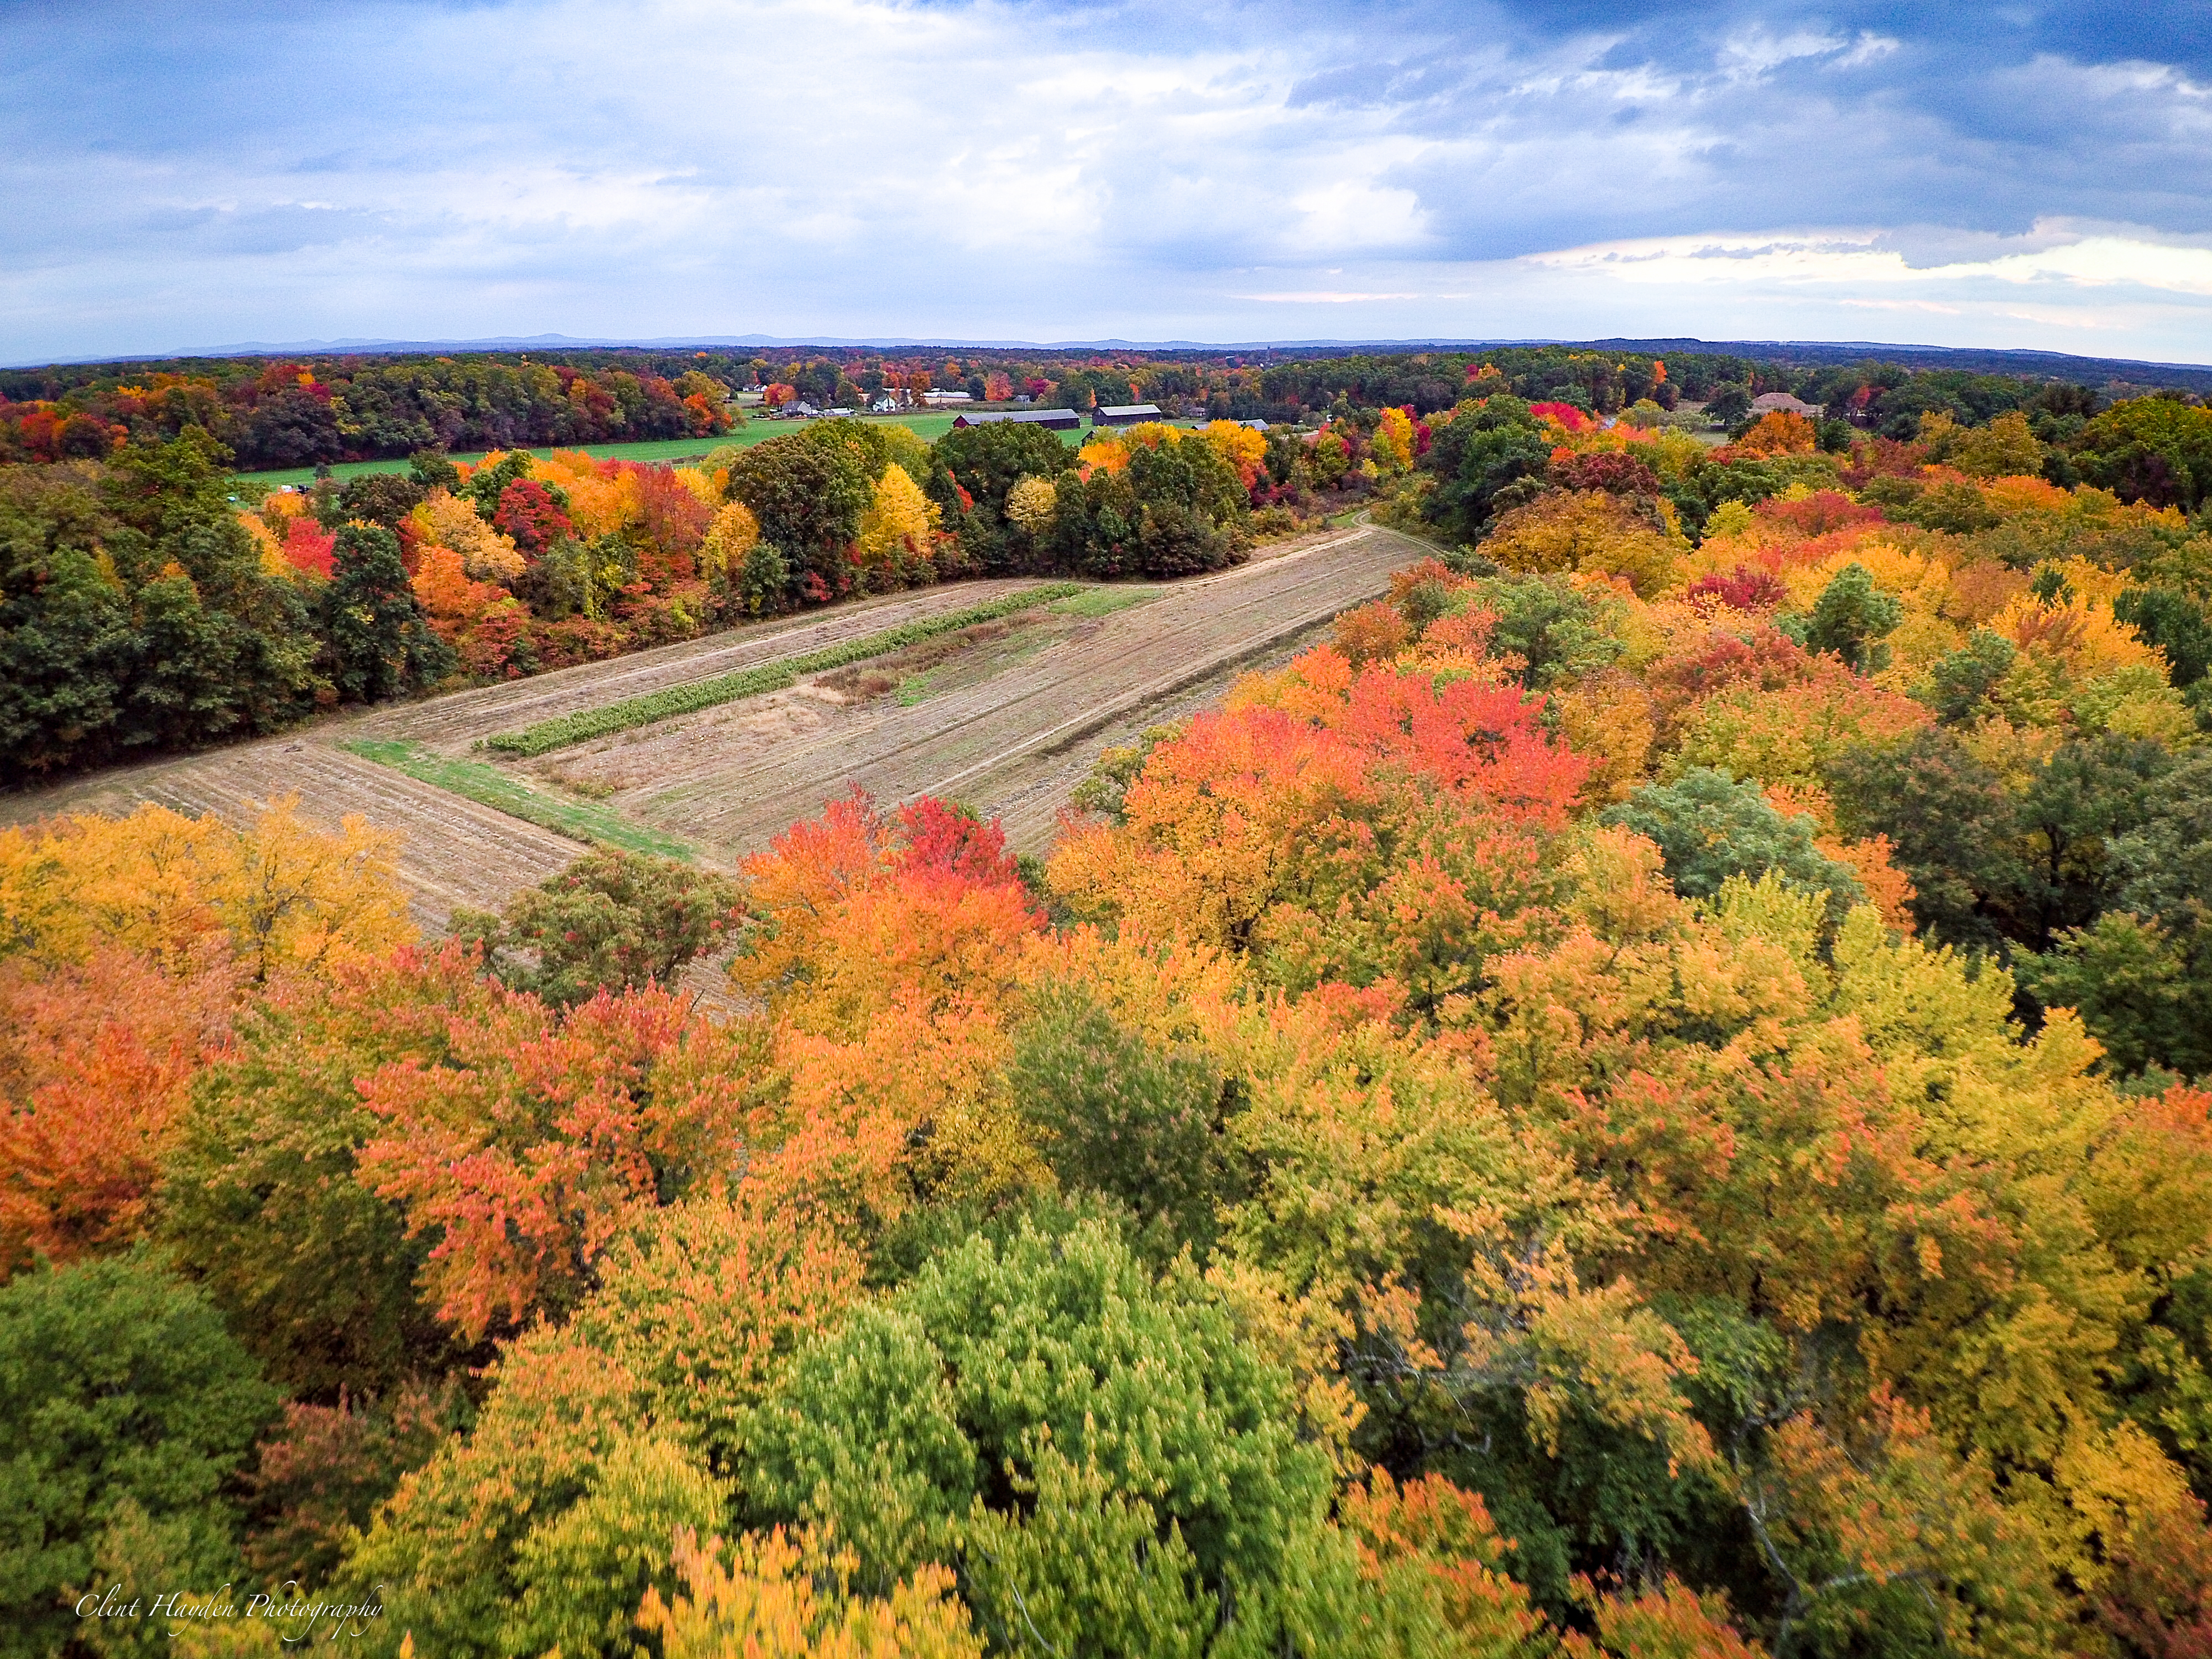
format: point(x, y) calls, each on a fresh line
point(1789, 353)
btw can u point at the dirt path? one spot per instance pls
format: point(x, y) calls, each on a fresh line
point(1012, 742)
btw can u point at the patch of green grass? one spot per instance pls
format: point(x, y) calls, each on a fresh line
point(1094, 602)
point(609, 718)
point(912, 689)
point(929, 426)
point(489, 786)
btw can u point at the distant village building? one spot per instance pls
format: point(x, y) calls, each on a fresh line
point(1767, 402)
point(935, 398)
point(885, 405)
point(1126, 414)
point(1057, 420)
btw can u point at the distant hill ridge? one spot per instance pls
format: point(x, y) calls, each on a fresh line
point(1976, 360)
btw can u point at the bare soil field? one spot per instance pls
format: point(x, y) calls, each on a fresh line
point(455, 722)
point(1006, 717)
point(1010, 741)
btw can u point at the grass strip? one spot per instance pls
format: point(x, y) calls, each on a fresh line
point(589, 723)
point(489, 786)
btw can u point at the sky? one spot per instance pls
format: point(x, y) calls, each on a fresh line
point(2020, 175)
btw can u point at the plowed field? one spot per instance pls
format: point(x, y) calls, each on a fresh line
point(1008, 721)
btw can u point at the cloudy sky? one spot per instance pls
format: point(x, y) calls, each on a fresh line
point(2027, 175)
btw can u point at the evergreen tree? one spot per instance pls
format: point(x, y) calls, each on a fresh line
point(379, 644)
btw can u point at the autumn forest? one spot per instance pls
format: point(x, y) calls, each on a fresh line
point(1644, 1094)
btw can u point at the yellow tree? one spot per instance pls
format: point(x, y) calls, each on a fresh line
point(898, 531)
point(1393, 444)
point(1031, 503)
point(732, 536)
point(486, 554)
point(1238, 445)
point(122, 947)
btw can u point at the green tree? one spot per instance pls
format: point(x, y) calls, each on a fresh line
point(163, 490)
point(379, 644)
point(808, 493)
point(2141, 972)
point(2157, 450)
point(2175, 624)
point(1850, 619)
point(583, 1575)
point(1121, 1115)
point(383, 498)
point(1189, 503)
point(1728, 403)
point(66, 634)
point(1951, 827)
point(135, 614)
point(1553, 630)
point(612, 920)
point(488, 484)
point(1709, 828)
point(260, 1205)
point(1482, 449)
point(433, 469)
point(2085, 794)
point(127, 1409)
point(1086, 1439)
point(985, 463)
point(1959, 685)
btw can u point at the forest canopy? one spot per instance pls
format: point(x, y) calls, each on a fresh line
point(147, 607)
point(1648, 1096)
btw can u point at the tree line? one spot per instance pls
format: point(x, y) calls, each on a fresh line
point(1645, 1098)
point(281, 413)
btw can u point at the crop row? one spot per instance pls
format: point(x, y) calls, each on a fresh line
point(489, 786)
point(589, 723)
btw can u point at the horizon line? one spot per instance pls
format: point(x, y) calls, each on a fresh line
point(366, 346)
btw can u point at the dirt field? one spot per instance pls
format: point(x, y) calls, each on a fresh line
point(1007, 719)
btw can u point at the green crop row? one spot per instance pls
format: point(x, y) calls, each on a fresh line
point(489, 786)
point(589, 723)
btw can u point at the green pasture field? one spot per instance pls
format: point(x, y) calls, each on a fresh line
point(488, 785)
point(929, 426)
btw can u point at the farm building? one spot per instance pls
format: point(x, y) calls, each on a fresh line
point(1058, 420)
point(1767, 402)
point(1126, 414)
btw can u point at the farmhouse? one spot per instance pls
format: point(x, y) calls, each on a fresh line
point(1767, 402)
point(1058, 420)
point(1126, 414)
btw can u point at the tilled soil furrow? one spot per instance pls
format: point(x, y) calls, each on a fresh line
point(983, 741)
point(1193, 628)
point(454, 722)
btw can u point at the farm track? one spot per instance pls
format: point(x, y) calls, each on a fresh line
point(1014, 744)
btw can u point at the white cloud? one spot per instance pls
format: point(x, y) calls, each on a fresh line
point(1755, 54)
point(991, 170)
point(1869, 48)
point(1866, 258)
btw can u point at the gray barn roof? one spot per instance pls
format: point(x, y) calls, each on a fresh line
point(1058, 420)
